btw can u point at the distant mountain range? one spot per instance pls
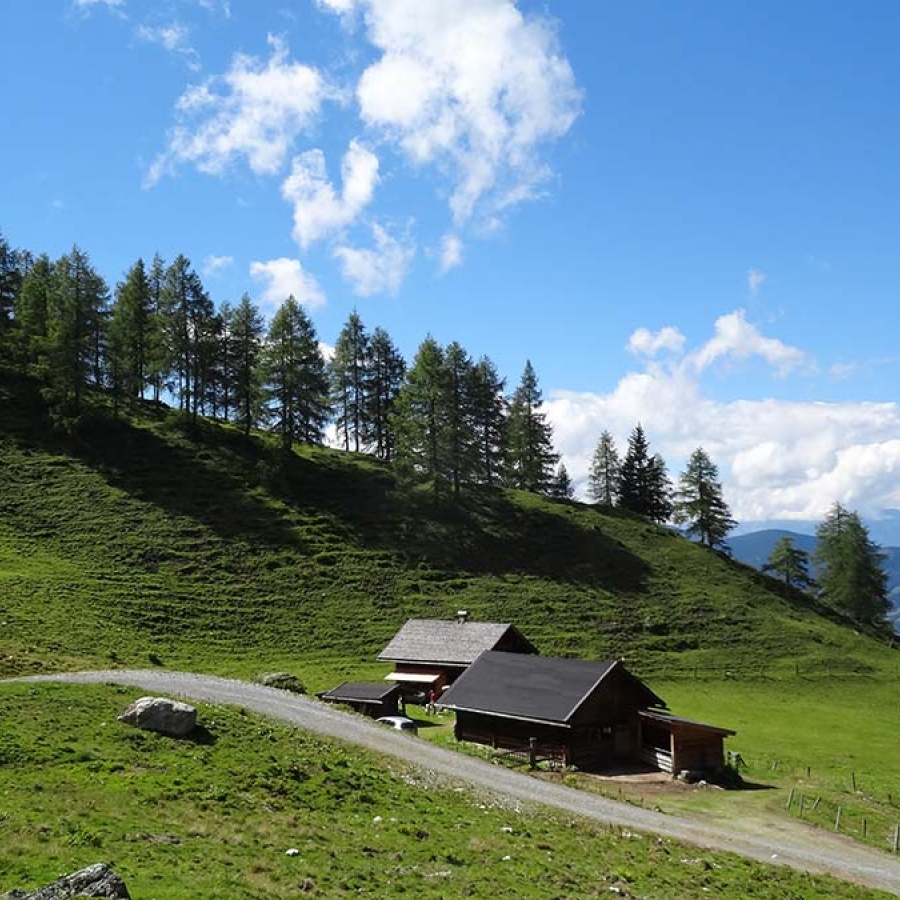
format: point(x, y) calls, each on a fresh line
point(884, 528)
point(754, 548)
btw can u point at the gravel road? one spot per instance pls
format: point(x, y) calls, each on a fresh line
point(804, 849)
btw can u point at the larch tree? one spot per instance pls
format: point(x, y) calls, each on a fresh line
point(350, 377)
point(11, 274)
point(699, 503)
point(130, 330)
point(387, 370)
point(603, 478)
point(159, 351)
point(561, 487)
point(850, 567)
point(34, 304)
point(790, 564)
point(75, 331)
point(460, 430)
point(531, 456)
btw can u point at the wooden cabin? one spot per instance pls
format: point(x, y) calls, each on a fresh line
point(371, 699)
point(595, 715)
point(430, 654)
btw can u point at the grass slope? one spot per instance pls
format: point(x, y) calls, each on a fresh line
point(213, 818)
point(133, 538)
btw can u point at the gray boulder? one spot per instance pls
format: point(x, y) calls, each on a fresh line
point(283, 680)
point(98, 880)
point(162, 715)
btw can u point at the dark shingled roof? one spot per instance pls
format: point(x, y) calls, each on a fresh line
point(538, 688)
point(447, 641)
point(664, 718)
point(360, 691)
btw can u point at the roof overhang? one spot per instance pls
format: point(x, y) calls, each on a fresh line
point(511, 716)
point(676, 722)
point(413, 677)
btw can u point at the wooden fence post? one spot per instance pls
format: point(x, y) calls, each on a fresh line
point(532, 752)
point(837, 820)
point(853, 781)
point(865, 827)
point(790, 798)
point(801, 806)
point(896, 837)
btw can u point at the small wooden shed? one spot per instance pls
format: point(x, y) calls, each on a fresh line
point(674, 744)
point(430, 654)
point(373, 699)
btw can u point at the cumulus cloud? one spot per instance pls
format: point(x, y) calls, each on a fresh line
point(255, 111)
point(475, 87)
point(648, 343)
point(283, 278)
point(378, 269)
point(778, 459)
point(451, 252)
point(318, 209)
point(735, 338)
point(212, 265)
point(173, 37)
point(107, 4)
point(755, 278)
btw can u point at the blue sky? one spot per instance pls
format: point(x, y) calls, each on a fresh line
point(685, 214)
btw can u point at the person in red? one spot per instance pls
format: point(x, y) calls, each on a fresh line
point(432, 696)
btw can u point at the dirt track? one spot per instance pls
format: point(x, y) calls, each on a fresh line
point(801, 848)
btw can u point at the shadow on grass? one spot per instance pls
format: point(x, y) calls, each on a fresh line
point(202, 736)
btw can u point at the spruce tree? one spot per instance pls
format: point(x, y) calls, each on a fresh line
point(790, 564)
point(603, 478)
point(531, 455)
point(130, 330)
point(296, 380)
point(386, 368)
point(636, 474)
point(11, 275)
point(850, 567)
point(350, 376)
point(489, 421)
point(699, 502)
point(421, 418)
point(460, 430)
point(561, 487)
point(159, 348)
point(247, 329)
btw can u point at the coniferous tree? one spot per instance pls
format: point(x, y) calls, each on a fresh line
point(189, 317)
point(636, 474)
point(488, 416)
point(460, 430)
point(660, 498)
point(75, 331)
point(603, 478)
point(790, 564)
point(531, 455)
point(159, 352)
point(850, 567)
point(350, 382)
point(129, 330)
point(420, 418)
point(699, 501)
point(297, 383)
point(387, 369)
point(561, 487)
point(247, 328)
point(32, 310)
point(11, 274)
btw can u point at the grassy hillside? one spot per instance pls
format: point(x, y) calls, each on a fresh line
point(132, 538)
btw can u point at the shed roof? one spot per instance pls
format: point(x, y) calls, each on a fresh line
point(360, 691)
point(677, 722)
point(533, 688)
point(448, 641)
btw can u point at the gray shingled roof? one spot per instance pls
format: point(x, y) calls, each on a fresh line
point(537, 688)
point(361, 691)
point(445, 641)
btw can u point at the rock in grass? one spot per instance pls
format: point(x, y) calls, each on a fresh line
point(162, 715)
point(283, 680)
point(98, 880)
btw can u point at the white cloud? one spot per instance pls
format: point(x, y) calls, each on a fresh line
point(755, 279)
point(473, 86)
point(736, 338)
point(212, 265)
point(109, 4)
point(376, 270)
point(174, 38)
point(318, 209)
point(778, 459)
point(217, 6)
point(286, 277)
point(451, 252)
point(327, 351)
point(648, 343)
point(255, 110)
